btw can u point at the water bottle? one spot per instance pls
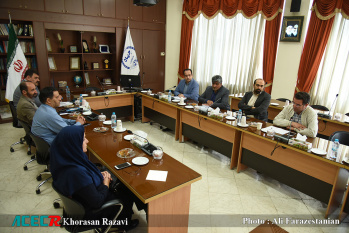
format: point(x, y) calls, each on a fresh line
point(113, 120)
point(67, 91)
point(169, 96)
point(80, 100)
point(239, 116)
point(335, 147)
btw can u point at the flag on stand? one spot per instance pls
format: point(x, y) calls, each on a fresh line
point(129, 62)
point(16, 64)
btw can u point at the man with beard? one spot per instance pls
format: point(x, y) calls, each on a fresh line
point(26, 106)
point(255, 104)
point(31, 76)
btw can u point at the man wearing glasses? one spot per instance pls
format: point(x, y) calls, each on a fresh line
point(255, 104)
point(188, 87)
point(299, 116)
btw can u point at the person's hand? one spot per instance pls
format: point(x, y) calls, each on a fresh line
point(181, 95)
point(298, 126)
point(209, 102)
point(106, 178)
point(81, 119)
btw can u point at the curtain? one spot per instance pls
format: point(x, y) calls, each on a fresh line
point(333, 75)
point(269, 9)
point(320, 24)
point(232, 48)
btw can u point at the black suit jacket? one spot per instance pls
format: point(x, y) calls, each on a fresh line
point(261, 106)
point(222, 98)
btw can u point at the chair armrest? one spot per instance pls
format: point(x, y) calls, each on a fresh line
point(108, 204)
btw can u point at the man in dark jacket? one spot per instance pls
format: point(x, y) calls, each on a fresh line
point(216, 95)
point(255, 104)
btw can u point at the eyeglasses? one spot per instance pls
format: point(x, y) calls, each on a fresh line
point(297, 105)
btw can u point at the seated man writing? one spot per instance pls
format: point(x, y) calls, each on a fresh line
point(26, 107)
point(216, 95)
point(187, 87)
point(299, 116)
point(46, 122)
point(255, 104)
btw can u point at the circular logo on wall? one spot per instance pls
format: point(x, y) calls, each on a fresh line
point(18, 66)
point(129, 58)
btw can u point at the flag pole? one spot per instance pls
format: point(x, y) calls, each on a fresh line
point(9, 15)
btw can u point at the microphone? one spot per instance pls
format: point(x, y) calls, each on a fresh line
point(328, 116)
point(100, 83)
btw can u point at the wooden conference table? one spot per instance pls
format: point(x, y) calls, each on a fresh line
point(326, 126)
point(311, 174)
point(168, 202)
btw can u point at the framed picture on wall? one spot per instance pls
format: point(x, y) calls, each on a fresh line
point(75, 63)
point(291, 30)
point(48, 45)
point(52, 63)
point(87, 79)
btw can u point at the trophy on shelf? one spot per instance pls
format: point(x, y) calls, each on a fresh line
point(77, 80)
point(95, 50)
point(60, 43)
point(106, 65)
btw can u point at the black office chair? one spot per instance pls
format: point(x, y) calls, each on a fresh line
point(73, 209)
point(320, 107)
point(342, 136)
point(42, 157)
point(29, 141)
point(283, 100)
point(347, 114)
point(15, 124)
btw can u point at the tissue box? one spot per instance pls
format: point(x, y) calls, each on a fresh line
point(306, 146)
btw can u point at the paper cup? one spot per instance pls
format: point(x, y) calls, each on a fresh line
point(259, 125)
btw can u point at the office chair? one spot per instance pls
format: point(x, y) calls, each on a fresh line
point(15, 124)
point(320, 107)
point(283, 100)
point(42, 157)
point(347, 114)
point(342, 136)
point(73, 209)
point(29, 141)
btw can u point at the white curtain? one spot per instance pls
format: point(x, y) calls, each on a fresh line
point(232, 48)
point(333, 75)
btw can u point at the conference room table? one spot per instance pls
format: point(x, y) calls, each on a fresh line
point(168, 201)
point(314, 175)
point(326, 126)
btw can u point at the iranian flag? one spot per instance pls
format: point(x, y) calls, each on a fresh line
point(16, 64)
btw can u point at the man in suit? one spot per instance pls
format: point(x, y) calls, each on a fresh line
point(26, 107)
point(216, 95)
point(32, 76)
point(46, 122)
point(255, 103)
point(299, 116)
point(187, 87)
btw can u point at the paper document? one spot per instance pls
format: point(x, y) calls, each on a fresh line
point(276, 130)
point(157, 175)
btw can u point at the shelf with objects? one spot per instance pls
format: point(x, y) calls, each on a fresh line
point(77, 58)
point(25, 36)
